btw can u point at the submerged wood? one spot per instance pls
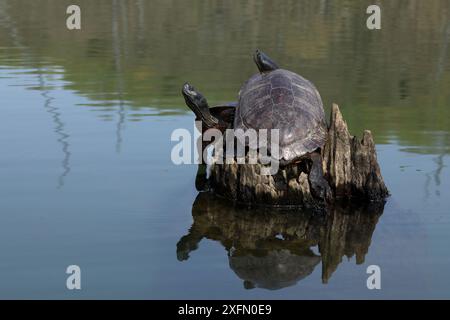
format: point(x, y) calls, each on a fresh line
point(350, 166)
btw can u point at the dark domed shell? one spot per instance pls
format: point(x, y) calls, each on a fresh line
point(286, 101)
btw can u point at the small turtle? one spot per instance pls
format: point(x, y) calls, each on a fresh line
point(274, 98)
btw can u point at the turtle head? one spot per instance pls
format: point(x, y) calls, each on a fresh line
point(198, 104)
point(263, 62)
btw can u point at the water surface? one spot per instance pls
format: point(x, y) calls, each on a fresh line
point(85, 170)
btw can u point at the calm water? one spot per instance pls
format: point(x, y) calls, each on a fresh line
point(85, 170)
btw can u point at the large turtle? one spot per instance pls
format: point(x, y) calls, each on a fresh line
point(274, 98)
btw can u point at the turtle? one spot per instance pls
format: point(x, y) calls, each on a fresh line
point(274, 98)
point(219, 117)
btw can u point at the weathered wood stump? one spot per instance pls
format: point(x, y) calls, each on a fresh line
point(350, 166)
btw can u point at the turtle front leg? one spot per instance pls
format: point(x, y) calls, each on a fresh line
point(319, 185)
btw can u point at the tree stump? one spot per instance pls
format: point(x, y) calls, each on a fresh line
point(350, 166)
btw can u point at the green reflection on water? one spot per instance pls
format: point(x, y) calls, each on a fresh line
point(136, 54)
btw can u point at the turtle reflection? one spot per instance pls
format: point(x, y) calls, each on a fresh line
point(273, 249)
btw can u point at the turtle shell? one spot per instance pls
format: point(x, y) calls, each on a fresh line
point(286, 101)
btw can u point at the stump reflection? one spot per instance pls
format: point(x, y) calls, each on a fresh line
point(272, 248)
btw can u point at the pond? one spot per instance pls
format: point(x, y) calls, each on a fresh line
point(85, 171)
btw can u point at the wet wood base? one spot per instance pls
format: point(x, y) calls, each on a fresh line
point(349, 164)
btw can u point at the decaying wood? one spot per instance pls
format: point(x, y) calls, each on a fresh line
point(350, 166)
